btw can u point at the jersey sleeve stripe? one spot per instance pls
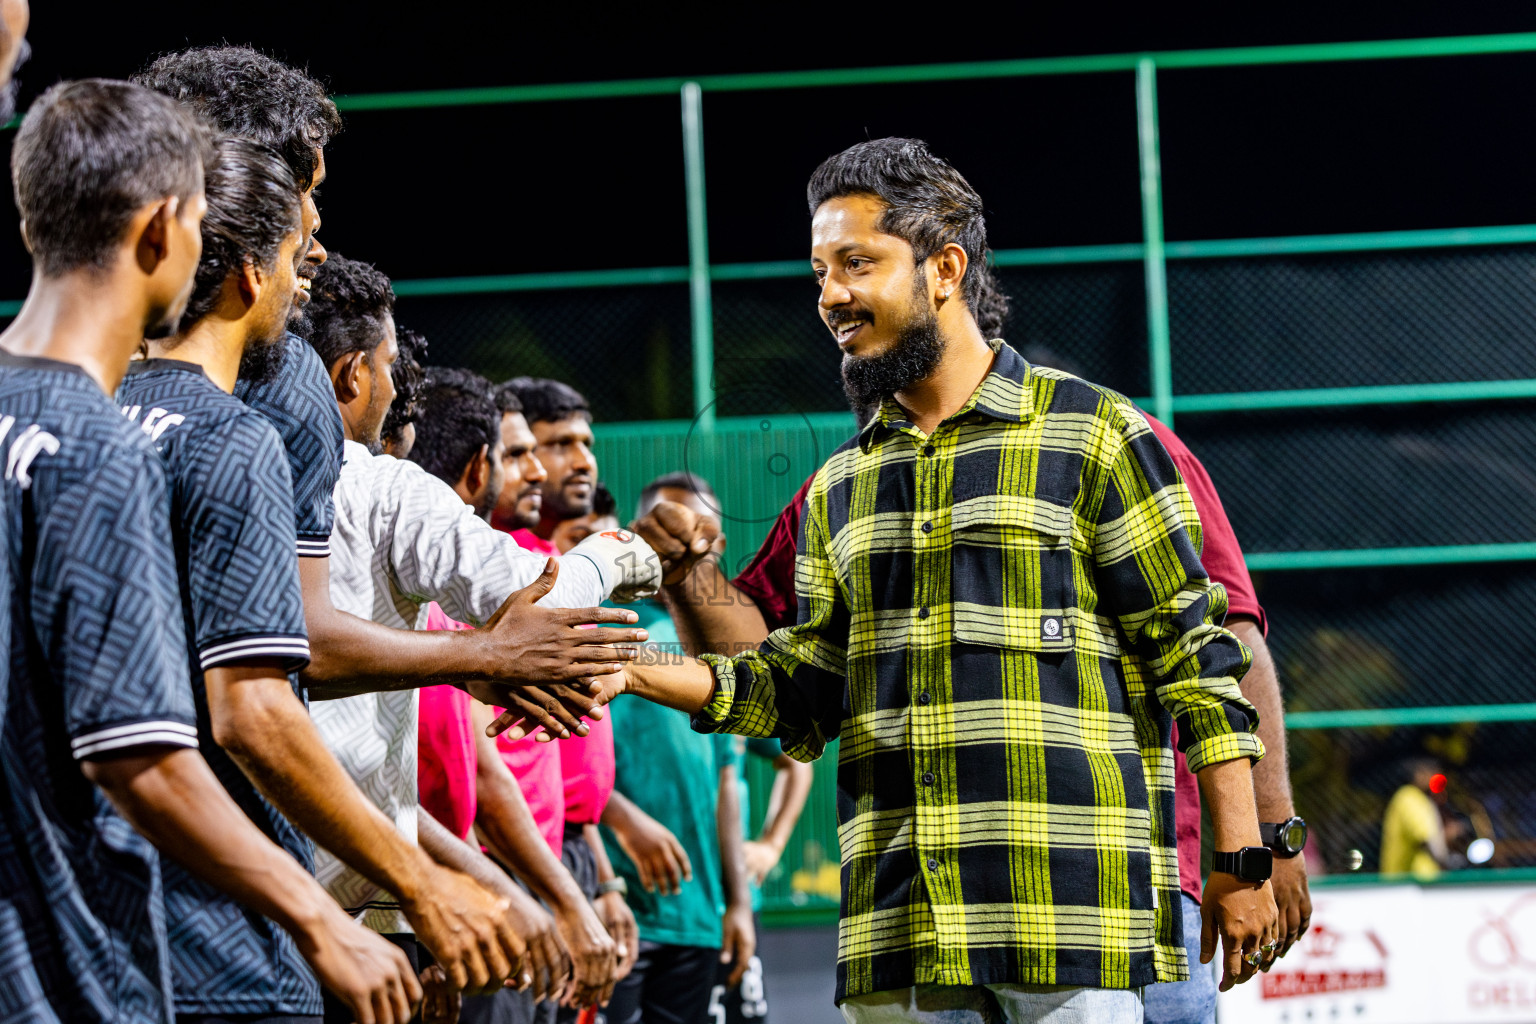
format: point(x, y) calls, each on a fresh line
point(148, 739)
point(309, 548)
point(254, 647)
point(177, 734)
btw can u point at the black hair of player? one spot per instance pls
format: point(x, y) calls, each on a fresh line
point(546, 401)
point(458, 417)
point(348, 305)
point(252, 207)
point(679, 481)
point(410, 377)
point(249, 94)
point(506, 399)
point(928, 203)
point(92, 153)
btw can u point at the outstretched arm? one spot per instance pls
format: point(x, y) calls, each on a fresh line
point(173, 798)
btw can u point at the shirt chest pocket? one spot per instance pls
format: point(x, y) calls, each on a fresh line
point(1013, 574)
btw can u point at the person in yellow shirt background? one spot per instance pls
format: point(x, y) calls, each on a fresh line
point(1412, 831)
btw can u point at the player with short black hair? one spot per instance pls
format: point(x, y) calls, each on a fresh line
point(233, 533)
point(98, 679)
point(459, 437)
point(561, 421)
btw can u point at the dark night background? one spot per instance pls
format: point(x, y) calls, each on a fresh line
point(560, 186)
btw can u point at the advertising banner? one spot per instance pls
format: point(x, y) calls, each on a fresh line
point(1403, 954)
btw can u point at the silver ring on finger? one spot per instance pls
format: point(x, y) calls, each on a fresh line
point(1254, 958)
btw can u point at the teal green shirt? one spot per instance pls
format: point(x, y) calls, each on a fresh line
point(673, 774)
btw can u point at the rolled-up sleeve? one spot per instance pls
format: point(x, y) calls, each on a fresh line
point(1150, 580)
point(791, 688)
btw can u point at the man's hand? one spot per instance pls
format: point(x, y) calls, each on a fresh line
point(659, 857)
point(368, 973)
point(594, 956)
point(680, 536)
point(442, 1001)
point(591, 693)
point(1289, 883)
point(548, 966)
point(619, 921)
point(739, 943)
point(543, 645)
point(761, 858)
point(1244, 916)
point(467, 930)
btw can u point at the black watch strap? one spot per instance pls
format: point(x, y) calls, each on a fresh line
point(1251, 863)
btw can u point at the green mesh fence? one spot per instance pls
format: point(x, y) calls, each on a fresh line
point(1292, 480)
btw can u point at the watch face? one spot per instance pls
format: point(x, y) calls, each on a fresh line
point(1293, 835)
point(1255, 863)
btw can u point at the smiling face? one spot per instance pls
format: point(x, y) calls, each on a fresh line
point(875, 299)
point(520, 500)
point(313, 253)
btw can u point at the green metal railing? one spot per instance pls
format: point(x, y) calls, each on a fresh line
point(1153, 252)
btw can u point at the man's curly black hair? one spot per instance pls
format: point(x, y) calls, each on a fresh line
point(458, 417)
point(410, 377)
point(348, 306)
point(928, 203)
point(251, 95)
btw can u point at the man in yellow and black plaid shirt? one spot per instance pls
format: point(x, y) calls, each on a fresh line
point(1002, 613)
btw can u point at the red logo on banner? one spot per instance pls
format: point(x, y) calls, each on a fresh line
point(1331, 961)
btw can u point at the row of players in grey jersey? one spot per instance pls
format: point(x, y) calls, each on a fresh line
point(165, 584)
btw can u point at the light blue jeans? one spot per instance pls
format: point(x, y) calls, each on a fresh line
point(996, 1004)
point(1185, 1002)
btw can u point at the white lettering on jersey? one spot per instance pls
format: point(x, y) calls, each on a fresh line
point(156, 422)
point(25, 449)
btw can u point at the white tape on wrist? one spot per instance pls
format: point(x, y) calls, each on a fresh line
point(628, 567)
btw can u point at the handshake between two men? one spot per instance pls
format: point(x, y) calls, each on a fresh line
point(563, 652)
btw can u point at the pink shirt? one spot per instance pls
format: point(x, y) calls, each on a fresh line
point(536, 766)
point(445, 747)
point(530, 541)
point(585, 764)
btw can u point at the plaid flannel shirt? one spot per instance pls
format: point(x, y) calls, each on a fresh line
point(1002, 620)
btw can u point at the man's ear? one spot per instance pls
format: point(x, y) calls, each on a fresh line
point(249, 280)
point(949, 265)
point(478, 473)
point(347, 377)
point(24, 239)
point(153, 225)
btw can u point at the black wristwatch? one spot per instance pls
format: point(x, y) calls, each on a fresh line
point(1252, 863)
point(1286, 838)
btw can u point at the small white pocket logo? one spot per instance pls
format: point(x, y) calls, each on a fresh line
point(1051, 627)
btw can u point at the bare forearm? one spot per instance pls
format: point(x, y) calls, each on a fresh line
point(175, 801)
point(791, 788)
point(711, 615)
point(681, 683)
point(1271, 776)
point(1227, 788)
point(352, 655)
point(594, 840)
point(505, 822)
point(450, 851)
point(267, 732)
point(733, 864)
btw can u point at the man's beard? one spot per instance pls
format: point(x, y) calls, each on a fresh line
point(260, 361)
point(913, 356)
